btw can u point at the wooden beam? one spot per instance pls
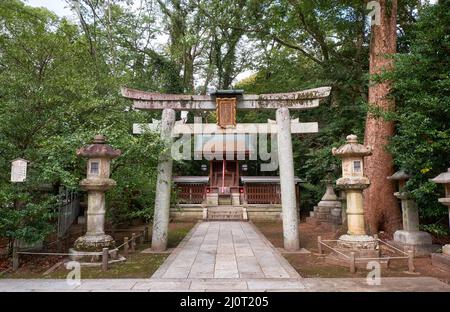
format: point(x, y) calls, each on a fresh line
point(242, 128)
point(294, 100)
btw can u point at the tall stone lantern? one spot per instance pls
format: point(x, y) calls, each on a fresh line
point(443, 259)
point(410, 238)
point(99, 155)
point(354, 182)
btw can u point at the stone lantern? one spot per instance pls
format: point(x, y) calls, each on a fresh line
point(99, 155)
point(438, 259)
point(410, 238)
point(329, 205)
point(353, 182)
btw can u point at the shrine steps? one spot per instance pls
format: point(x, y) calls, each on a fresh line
point(195, 212)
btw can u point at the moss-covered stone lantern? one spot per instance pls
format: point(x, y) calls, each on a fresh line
point(99, 155)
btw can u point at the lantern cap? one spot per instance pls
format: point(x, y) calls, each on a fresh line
point(352, 148)
point(399, 175)
point(442, 178)
point(99, 148)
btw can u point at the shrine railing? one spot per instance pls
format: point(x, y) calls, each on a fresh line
point(262, 193)
point(190, 193)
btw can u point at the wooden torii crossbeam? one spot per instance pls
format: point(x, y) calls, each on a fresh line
point(283, 128)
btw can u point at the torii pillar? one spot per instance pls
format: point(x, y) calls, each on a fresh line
point(287, 184)
point(163, 184)
point(282, 102)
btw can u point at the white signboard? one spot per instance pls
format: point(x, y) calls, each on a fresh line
point(19, 170)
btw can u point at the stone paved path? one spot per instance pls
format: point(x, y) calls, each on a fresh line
point(228, 250)
point(226, 256)
point(388, 284)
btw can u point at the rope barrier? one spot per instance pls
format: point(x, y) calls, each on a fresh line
point(58, 253)
point(406, 256)
point(29, 251)
point(104, 253)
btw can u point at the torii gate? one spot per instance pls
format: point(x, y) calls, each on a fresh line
point(226, 107)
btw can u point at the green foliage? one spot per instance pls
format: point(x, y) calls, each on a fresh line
point(421, 88)
point(58, 88)
point(27, 216)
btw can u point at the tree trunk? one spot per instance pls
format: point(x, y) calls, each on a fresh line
point(382, 210)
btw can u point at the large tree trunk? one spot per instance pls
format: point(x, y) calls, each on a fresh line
point(382, 210)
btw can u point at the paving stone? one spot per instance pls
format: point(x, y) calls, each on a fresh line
point(106, 284)
point(162, 285)
point(226, 273)
point(218, 285)
point(275, 284)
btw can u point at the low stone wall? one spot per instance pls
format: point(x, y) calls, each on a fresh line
point(264, 212)
point(255, 212)
point(187, 212)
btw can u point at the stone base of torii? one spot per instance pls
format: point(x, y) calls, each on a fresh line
point(281, 102)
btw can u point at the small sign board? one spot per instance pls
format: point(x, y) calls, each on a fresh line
point(19, 170)
point(226, 112)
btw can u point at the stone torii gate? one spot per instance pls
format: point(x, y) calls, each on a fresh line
point(226, 109)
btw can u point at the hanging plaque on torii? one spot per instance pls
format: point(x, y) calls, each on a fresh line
point(226, 101)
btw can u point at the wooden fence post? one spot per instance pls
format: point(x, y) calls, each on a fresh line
point(15, 255)
point(352, 262)
point(125, 246)
point(146, 239)
point(133, 242)
point(105, 254)
point(319, 244)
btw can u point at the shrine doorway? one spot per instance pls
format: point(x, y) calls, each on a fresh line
point(224, 177)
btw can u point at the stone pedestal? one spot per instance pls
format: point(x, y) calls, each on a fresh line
point(359, 246)
point(410, 238)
